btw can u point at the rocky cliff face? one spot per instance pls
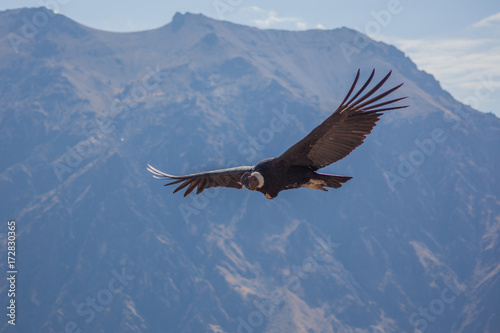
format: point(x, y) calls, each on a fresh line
point(411, 243)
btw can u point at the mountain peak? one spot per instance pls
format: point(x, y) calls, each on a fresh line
point(178, 21)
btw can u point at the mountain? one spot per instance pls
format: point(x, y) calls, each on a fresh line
point(410, 244)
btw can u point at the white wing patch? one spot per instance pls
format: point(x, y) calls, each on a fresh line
point(315, 184)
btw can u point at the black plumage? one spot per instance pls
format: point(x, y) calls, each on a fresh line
point(328, 143)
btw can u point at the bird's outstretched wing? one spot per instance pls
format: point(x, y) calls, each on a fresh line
point(224, 177)
point(345, 129)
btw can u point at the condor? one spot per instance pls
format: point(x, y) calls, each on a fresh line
point(297, 167)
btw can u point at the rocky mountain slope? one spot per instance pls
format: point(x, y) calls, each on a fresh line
point(410, 244)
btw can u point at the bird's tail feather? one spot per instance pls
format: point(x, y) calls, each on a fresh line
point(333, 180)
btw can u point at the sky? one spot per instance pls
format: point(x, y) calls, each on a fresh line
point(456, 41)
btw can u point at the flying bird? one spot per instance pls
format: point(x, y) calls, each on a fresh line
point(331, 141)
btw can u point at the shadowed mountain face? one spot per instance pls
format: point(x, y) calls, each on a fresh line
point(410, 243)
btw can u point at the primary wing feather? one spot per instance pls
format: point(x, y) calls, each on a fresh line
point(345, 129)
point(224, 177)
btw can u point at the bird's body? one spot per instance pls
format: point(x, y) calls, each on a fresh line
point(331, 141)
point(283, 176)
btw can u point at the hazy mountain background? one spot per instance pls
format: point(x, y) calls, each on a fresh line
point(410, 244)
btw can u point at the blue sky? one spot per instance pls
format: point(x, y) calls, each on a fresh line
point(456, 41)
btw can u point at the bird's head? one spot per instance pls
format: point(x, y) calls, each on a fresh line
point(252, 181)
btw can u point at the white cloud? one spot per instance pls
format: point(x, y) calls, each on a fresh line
point(269, 19)
point(320, 26)
point(464, 66)
point(490, 21)
point(467, 67)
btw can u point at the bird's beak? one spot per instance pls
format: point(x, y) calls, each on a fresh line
point(243, 187)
